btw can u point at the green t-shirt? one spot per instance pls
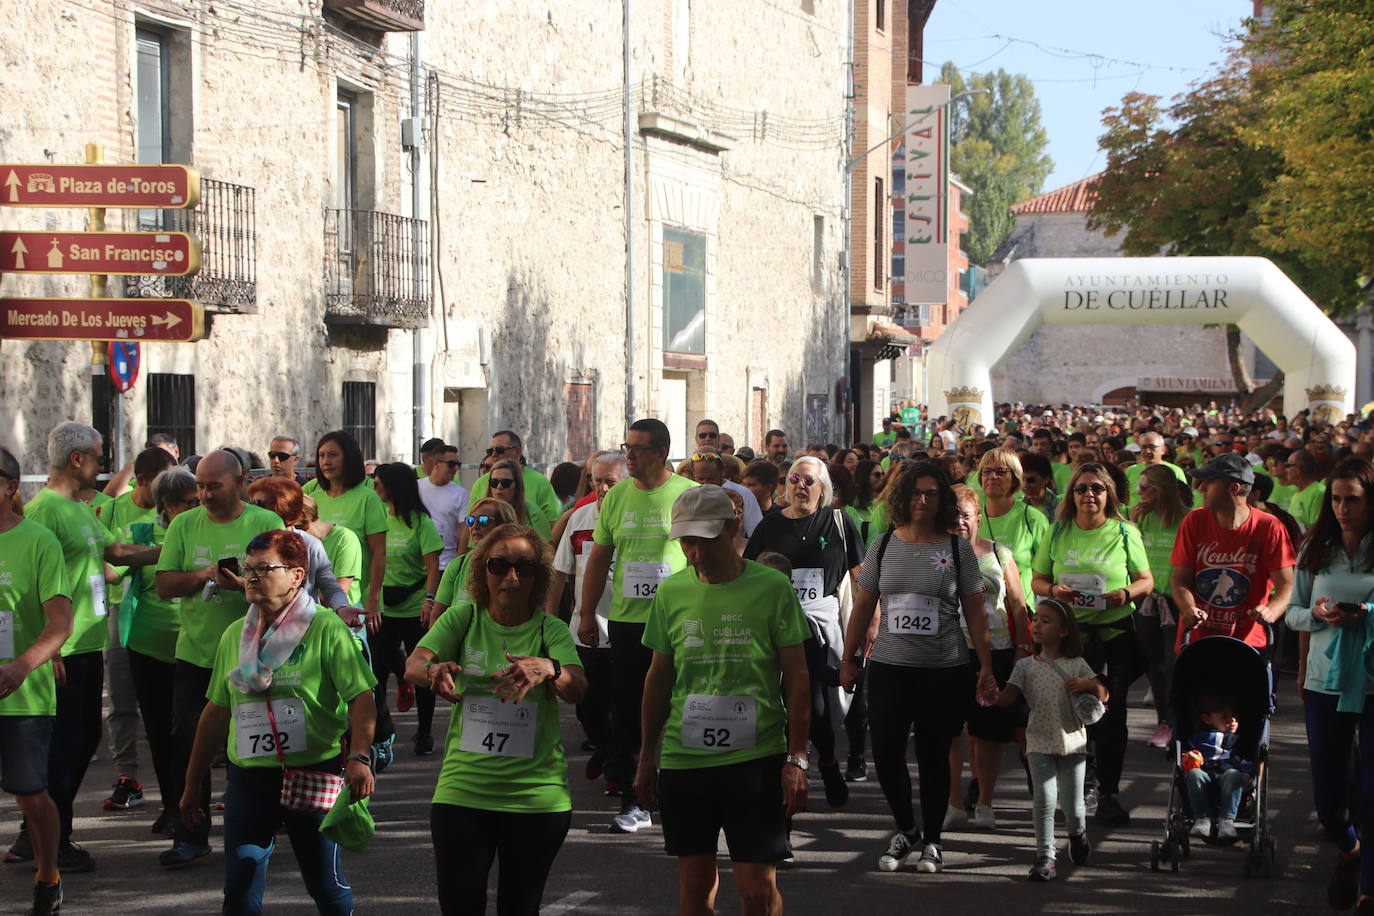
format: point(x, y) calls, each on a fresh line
point(1110, 554)
point(635, 522)
point(1022, 529)
point(119, 517)
point(99, 500)
point(1283, 496)
point(31, 572)
point(885, 440)
point(507, 763)
point(1133, 473)
point(360, 510)
point(345, 554)
point(1159, 544)
point(83, 541)
point(156, 622)
point(539, 493)
point(195, 541)
point(727, 703)
point(311, 689)
point(406, 547)
point(1306, 504)
point(1063, 473)
point(453, 584)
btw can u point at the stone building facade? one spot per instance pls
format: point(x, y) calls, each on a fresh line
point(399, 190)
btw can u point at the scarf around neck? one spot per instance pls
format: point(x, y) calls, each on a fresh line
point(264, 647)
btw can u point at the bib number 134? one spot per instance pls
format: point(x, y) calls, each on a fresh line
point(642, 579)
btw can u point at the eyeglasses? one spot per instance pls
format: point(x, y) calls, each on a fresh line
point(452, 464)
point(500, 567)
point(997, 472)
point(280, 456)
point(499, 450)
point(627, 448)
point(806, 479)
point(920, 495)
point(501, 483)
point(1096, 489)
point(257, 572)
point(709, 456)
point(472, 521)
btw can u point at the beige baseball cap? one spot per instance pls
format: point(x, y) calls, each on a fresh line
point(701, 512)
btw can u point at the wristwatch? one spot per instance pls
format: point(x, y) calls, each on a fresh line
point(361, 758)
point(800, 763)
point(557, 668)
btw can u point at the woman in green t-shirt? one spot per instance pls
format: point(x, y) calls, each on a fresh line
point(1164, 500)
point(503, 790)
point(506, 482)
point(343, 497)
point(1094, 561)
point(485, 515)
point(413, 546)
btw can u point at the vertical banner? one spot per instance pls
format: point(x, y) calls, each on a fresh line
point(926, 183)
point(817, 419)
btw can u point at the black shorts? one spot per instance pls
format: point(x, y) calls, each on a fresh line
point(997, 723)
point(743, 799)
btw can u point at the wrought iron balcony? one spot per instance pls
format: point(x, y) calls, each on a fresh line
point(383, 15)
point(376, 269)
point(225, 222)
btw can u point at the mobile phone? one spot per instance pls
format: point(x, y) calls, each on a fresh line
point(1350, 607)
point(230, 565)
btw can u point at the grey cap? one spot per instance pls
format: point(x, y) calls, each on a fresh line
point(701, 512)
point(1230, 465)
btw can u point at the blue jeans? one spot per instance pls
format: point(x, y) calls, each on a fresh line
point(1330, 734)
point(1055, 777)
point(1230, 786)
point(252, 817)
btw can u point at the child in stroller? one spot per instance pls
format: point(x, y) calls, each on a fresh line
point(1216, 779)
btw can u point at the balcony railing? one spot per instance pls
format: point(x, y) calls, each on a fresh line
point(225, 223)
point(376, 269)
point(383, 15)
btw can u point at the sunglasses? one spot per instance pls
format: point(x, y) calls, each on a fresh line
point(802, 478)
point(1096, 489)
point(472, 521)
point(707, 457)
point(280, 456)
point(500, 566)
point(452, 464)
point(499, 449)
point(703, 434)
point(501, 483)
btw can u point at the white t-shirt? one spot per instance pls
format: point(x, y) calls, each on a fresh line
point(1053, 727)
point(950, 440)
point(447, 505)
point(752, 513)
point(571, 559)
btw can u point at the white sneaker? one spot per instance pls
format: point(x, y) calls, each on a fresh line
point(1226, 830)
point(984, 818)
point(931, 860)
point(955, 816)
point(898, 848)
point(1202, 827)
point(630, 820)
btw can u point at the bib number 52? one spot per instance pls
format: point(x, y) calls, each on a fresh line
point(715, 737)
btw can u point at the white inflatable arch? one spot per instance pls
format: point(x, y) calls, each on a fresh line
point(1317, 359)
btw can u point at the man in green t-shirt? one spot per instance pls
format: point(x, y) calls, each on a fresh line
point(727, 640)
point(1306, 504)
point(1151, 452)
point(200, 564)
point(632, 529)
point(506, 445)
point(74, 454)
point(35, 619)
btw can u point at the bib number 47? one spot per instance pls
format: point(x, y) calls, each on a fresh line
point(495, 742)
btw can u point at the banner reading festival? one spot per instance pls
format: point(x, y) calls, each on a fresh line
point(927, 195)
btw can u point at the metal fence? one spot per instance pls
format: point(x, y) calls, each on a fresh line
point(376, 268)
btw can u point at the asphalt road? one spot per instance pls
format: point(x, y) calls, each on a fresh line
point(599, 872)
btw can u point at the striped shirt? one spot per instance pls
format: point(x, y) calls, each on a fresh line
point(921, 570)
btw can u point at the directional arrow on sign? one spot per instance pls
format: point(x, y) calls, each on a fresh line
point(170, 321)
point(19, 251)
point(12, 183)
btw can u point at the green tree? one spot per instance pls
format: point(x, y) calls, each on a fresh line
point(997, 148)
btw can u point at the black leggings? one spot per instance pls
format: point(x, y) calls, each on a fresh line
point(153, 685)
point(932, 702)
point(467, 840)
point(392, 634)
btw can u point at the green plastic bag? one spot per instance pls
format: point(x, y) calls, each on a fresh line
point(349, 823)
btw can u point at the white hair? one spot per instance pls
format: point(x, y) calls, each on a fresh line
point(70, 437)
point(822, 476)
point(615, 458)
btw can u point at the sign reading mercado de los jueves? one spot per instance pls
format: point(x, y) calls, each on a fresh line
point(1317, 359)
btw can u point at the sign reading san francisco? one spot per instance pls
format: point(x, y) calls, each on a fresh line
point(170, 254)
point(168, 320)
point(160, 187)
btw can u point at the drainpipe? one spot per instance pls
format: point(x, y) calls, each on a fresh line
point(630, 385)
point(419, 369)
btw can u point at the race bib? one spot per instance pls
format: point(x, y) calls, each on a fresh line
point(98, 595)
point(809, 584)
point(711, 723)
point(1090, 590)
point(913, 615)
point(6, 634)
point(642, 579)
point(498, 729)
point(254, 735)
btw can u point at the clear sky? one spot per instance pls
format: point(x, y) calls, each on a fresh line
point(1090, 53)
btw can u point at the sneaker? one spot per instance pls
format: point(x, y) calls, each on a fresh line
point(424, 745)
point(1226, 830)
point(165, 825)
point(856, 769)
point(971, 795)
point(383, 754)
point(1090, 800)
point(1343, 892)
point(955, 817)
point(1202, 828)
point(71, 858)
point(984, 818)
point(898, 848)
point(183, 854)
point(836, 789)
point(930, 861)
point(47, 898)
point(1079, 848)
point(1162, 736)
point(20, 850)
point(405, 697)
point(630, 820)
point(593, 769)
point(1111, 812)
point(1042, 870)
point(613, 789)
point(128, 793)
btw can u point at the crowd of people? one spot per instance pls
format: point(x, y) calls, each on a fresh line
point(723, 624)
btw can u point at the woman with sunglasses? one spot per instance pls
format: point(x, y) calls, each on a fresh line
point(485, 515)
point(823, 545)
point(506, 482)
point(344, 496)
point(413, 546)
point(503, 789)
point(1094, 561)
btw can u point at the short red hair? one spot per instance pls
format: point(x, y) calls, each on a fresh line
point(280, 494)
point(288, 545)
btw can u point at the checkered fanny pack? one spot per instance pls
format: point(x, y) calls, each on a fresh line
point(305, 790)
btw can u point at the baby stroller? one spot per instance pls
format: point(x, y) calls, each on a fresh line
point(1230, 667)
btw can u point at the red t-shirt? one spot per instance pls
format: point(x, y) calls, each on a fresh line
point(1231, 570)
